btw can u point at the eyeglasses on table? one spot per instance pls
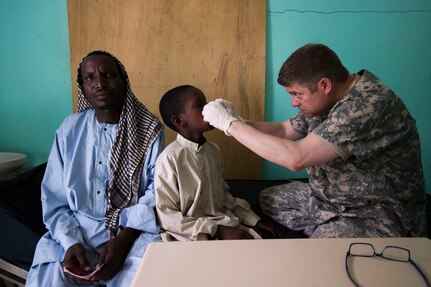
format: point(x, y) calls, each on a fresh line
point(393, 253)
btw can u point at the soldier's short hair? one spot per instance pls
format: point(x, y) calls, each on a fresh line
point(310, 63)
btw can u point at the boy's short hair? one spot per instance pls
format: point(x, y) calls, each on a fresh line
point(173, 102)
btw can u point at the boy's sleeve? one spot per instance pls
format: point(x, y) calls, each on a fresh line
point(241, 209)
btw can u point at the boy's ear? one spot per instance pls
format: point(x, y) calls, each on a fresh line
point(177, 121)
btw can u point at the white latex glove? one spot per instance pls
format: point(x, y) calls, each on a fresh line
point(218, 116)
point(228, 105)
point(230, 108)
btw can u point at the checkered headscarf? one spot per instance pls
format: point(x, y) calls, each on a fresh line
point(137, 130)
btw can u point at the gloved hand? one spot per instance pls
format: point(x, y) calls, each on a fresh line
point(230, 108)
point(219, 116)
point(228, 105)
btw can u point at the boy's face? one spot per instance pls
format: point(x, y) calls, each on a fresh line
point(194, 105)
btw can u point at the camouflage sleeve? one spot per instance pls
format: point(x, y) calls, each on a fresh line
point(299, 123)
point(364, 124)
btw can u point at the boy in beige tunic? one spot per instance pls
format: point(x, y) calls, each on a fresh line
point(192, 198)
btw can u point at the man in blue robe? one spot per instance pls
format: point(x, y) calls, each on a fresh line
point(97, 193)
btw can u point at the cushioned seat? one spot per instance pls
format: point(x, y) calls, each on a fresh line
point(12, 274)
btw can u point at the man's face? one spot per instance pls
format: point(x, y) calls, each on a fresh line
point(308, 103)
point(193, 113)
point(103, 86)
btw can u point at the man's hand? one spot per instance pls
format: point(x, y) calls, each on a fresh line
point(229, 232)
point(75, 256)
point(114, 253)
point(219, 115)
point(228, 105)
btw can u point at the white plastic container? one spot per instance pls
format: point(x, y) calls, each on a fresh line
point(11, 161)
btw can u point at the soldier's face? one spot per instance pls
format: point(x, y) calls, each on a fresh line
point(308, 103)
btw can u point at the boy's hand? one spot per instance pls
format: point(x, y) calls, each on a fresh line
point(267, 227)
point(231, 233)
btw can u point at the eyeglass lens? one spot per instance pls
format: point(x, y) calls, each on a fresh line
point(396, 253)
point(362, 249)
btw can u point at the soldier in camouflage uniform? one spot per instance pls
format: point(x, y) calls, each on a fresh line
point(359, 144)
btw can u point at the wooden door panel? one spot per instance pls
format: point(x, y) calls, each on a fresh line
point(215, 45)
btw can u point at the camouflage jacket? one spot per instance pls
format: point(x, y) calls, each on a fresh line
point(379, 171)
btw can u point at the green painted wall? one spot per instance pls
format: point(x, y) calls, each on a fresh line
point(35, 88)
point(391, 38)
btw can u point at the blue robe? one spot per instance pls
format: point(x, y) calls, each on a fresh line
point(75, 199)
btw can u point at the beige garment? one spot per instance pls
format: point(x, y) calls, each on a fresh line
point(192, 197)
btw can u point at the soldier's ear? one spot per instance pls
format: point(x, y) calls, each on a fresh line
point(325, 84)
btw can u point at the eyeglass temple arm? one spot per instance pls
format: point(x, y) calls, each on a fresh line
point(348, 270)
point(420, 272)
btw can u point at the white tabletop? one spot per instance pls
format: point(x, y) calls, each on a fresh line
point(279, 262)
